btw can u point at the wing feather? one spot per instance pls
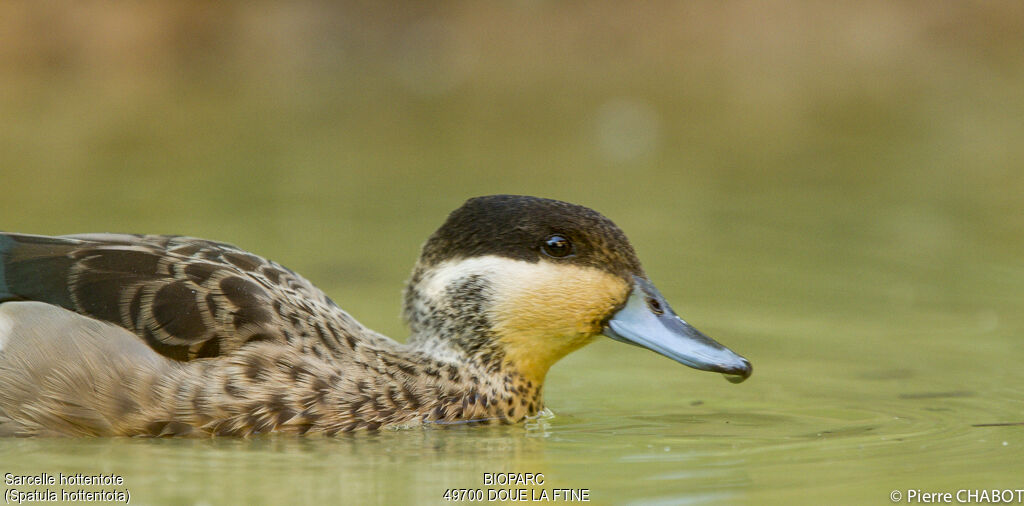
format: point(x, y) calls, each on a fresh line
point(185, 297)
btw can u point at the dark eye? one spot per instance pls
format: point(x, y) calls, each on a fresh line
point(557, 246)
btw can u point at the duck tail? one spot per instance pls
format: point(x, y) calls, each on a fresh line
point(35, 267)
point(6, 243)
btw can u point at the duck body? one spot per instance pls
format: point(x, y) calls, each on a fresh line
point(112, 334)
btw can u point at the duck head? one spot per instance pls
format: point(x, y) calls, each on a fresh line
point(516, 282)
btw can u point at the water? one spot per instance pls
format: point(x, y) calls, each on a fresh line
point(848, 216)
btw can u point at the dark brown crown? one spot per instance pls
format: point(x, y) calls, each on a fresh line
point(517, 227)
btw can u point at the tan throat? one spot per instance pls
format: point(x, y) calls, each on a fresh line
point(543, 311)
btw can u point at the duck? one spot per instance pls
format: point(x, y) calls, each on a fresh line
point(160, 335)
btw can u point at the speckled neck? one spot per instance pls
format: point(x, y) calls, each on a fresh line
point(449, 323)
point(449, 320)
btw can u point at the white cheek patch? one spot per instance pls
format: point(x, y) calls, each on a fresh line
point(499, 272)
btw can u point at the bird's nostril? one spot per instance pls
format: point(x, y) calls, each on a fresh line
point(655, 306)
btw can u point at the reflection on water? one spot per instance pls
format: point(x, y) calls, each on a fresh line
point(645, 448)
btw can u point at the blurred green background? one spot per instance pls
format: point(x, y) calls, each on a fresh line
point(834, 190)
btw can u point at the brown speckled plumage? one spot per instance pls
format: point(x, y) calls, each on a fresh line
point(261, 387)
point(168, 335)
